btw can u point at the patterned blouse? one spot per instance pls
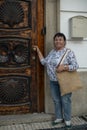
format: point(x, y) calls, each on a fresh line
point(53, 59)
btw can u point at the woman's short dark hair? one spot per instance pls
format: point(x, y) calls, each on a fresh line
point(59, 35)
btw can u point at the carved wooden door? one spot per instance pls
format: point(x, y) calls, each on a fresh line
point(21, 75)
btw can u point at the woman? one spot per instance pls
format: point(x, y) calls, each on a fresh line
point(62, 103)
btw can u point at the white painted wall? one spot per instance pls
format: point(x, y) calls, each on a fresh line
point(69, 9)
point(75, 5)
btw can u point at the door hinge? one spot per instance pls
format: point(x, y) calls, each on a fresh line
point(43, 31)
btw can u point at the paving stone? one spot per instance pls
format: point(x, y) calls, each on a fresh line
point(33, 122)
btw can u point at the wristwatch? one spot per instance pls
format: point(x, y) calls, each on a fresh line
point(65, 66)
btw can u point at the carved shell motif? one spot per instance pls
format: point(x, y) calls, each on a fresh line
point(11, 13)
point(3, 53)
point(20, 53)
point(11, 90)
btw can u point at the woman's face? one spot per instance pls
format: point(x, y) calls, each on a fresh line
point(59, 43)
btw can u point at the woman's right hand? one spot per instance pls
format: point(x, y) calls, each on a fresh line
point(38, 52)
point(36, 48)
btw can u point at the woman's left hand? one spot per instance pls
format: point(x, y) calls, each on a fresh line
point(60, 68)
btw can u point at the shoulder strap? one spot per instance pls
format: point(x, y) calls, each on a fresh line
point(64, 56)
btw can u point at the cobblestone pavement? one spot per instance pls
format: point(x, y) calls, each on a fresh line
point(33, 122)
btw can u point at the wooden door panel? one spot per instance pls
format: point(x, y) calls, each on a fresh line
point(20, 28)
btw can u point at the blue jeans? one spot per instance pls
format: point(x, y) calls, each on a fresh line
point(62, 103)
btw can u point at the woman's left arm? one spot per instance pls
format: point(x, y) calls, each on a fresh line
point(72, 62)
